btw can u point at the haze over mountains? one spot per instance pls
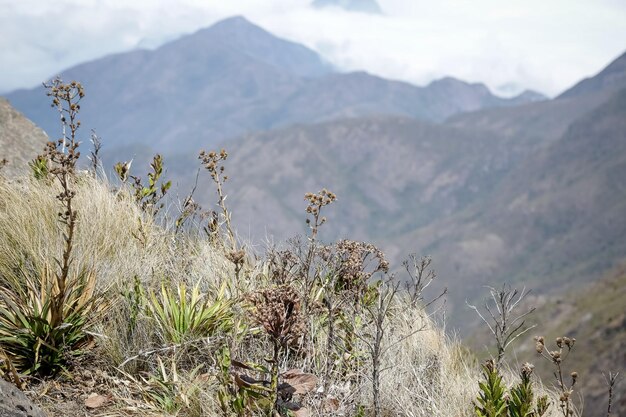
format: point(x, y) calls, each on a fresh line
point(367, 6)
point(524, 189)
point(234, 78)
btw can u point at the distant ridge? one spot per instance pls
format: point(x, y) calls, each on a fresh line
point(365, 6)
point(613, 77)
point(232, 78)
point(529, 96)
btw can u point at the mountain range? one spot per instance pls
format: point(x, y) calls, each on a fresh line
point(528, 190)
point(20, 140)
point(233, 78)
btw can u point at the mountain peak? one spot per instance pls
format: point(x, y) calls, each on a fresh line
point(365, 6)
point(234, 23)
point(238, 35)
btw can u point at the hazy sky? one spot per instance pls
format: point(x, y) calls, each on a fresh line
point(545, 45)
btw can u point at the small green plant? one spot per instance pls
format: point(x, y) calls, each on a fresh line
point(135, 297)
point(521, 397)
point(28, 335)
point(495, 401)
point(181, 315)
point(149, 197)
point(166, 389)
point(39, 168)
point(491, 401)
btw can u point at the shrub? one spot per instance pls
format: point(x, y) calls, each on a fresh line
point(28, 335)
point(181, 315)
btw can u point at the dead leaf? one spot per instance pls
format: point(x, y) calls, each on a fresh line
point(300, 381)
point(242, 365)
point(96, 400)
point(331, 404)
point(206, 377)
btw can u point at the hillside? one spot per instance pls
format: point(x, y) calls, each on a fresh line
point(610, 78)
point(229, 79)
point(20, 139)
point(542, 206)
point(593, 314)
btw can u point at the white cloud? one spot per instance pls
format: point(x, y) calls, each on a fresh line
point(544, 45)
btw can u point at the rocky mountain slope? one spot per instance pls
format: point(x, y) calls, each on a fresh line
point(594, 315)
point(20, 139)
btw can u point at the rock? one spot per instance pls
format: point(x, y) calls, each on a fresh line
point(14, 403)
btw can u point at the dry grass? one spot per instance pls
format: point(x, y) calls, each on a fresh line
point(424, 374)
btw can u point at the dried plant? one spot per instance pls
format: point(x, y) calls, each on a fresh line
point(277, 310)
point(314, 209)
point(345, 289)
point(420, 276)
point(505, 322)
point(94, 157)
point(282, 266)
point(557, 357)
point(189, 208)
point(316, 202)
point(356, 262)
point(611, 382)
point(63, 156)
point(379, 315)
point(43, 313)
point(213, 162)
